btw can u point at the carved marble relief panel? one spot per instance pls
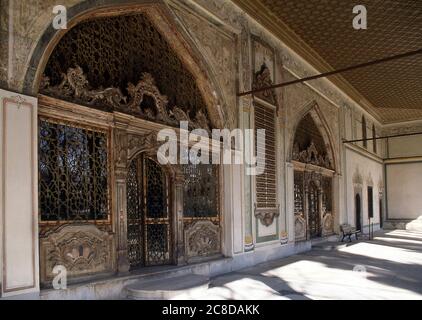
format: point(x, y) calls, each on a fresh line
point(202, 238)
point(82, 249)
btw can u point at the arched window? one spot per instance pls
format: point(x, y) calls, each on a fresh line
point(364, 134)
point(374, 135)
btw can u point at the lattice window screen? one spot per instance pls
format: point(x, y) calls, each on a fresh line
point(266, 188)
point(73, 172)
point(298, 193)
point(200, 190)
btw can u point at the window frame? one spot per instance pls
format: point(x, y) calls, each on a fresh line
point(267, 105)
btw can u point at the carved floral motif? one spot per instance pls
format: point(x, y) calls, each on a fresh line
point(262, 79)
point(75, 86)
point(266, 215)
point(202, 239)
point(144, 142)
point(82, 249)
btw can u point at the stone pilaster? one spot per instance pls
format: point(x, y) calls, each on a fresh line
point(120, 147)
point(178, 207)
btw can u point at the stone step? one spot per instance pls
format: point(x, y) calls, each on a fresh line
point(395, 224)
point(168, 288)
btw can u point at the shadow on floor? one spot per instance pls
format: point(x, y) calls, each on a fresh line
point(396, 274)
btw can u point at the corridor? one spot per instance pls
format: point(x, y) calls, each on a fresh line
point(387, 267)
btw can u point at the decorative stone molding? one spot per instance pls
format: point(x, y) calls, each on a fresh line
point(120, 142)
point(262, 79)
point(202, 238)
point(145, 142)
point(266, 215)
point(82, 249)
point(300, 228)
point(76, 87)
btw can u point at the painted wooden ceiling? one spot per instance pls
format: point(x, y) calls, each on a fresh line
point(322, 32)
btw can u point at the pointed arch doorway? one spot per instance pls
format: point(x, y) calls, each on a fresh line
point(314, 170)
point(149, 231)
point(358, 212)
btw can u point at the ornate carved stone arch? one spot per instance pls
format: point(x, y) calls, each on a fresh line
point(314, 111)
point(158, 12)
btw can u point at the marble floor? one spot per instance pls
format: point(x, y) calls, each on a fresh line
point(387, 267)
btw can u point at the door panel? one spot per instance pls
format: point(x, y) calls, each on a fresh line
point(148, 214)
point(358, 212)
point(313, 211)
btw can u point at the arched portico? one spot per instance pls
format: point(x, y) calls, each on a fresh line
point(129, 114)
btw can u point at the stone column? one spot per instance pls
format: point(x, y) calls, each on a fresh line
point(120, 147)
point(179, 225)
point(306, 202)
point(290, 216)
point(245, 121)
point(338, 195)
point(320, 211)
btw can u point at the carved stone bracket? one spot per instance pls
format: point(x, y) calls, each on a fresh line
point(262, 79)
point(267, 215)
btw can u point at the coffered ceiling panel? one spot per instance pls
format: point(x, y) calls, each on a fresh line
point(393, 89)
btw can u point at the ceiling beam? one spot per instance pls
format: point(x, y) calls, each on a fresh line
point(384, 137)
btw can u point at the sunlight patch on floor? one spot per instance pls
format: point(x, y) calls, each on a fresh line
point(405, 233)
point(385, 252)
point(398, 240)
